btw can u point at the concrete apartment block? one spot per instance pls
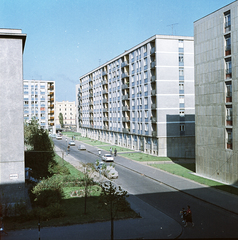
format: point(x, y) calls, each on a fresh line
point(68, 109)
point(39, 103)
point(143, 99)
point(12, 167)
point(216, 91)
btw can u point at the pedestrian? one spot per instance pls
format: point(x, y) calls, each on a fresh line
point(115, 152)
point(2, 226)
point(111, 150)
point(68, 149)
point(183, 215)
point(189, 217)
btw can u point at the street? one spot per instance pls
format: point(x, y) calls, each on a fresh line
point(210, 221)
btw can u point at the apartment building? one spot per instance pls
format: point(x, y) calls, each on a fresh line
point(68, 110)
point(216, 94)
point(12, 165)
point(143, 99)
point(39, 102)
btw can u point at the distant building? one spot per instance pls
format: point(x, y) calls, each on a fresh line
point(12, 165)
point(68, 109)
point(216, 79)
point(39, 102)
point(143, 99)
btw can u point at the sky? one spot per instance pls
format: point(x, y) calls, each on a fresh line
point(68, 38)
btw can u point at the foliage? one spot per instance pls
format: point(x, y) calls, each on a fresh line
point(47, 192)
point(40, 154)
point(61, 120)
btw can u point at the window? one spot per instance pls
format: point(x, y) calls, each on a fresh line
point(181, 88)
point(228, 44)
point(180, 43)
point(182, 127)
point(181, 112)
point(181, 72)
point(229, 138)
point(227, 18)
point(181, 63)
point(228, 66)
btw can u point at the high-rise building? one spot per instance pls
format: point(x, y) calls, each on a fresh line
point(39, 102)
point(143, 99)
point(216, 78)
point(12, 165)
point(68, 110)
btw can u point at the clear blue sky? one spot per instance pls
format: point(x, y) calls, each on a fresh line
point(68, 38)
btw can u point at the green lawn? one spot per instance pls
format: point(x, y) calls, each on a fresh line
point(142, 157)
point(119, 149)
point(72, 204)
point(186, 170)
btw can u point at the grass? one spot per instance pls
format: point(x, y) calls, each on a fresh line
point(73, 206)
point(119, 149)
point(142, 157)
point(187, 170)
point(70, 134)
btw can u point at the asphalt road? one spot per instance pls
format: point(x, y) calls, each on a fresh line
point(210, 221)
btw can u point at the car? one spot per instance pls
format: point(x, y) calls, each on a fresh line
point(81, 147)
point(71, 143)
point(107, 158)
point(52, 135)
point(110, 172)
point(58, 137)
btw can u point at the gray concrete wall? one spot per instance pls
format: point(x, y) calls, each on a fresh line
point(12, 167)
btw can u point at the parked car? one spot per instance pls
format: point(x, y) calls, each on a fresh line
point(110, 172)
point(58, 137)
point(107, 158)
point(71, 143)
point(52, 135)
point(81, 147)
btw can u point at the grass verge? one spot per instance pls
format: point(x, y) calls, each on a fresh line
point(187, 170)
point(142, 157)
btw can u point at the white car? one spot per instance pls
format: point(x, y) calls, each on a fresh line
point(71, 143)
point(81, 147)
point(58, 137)
point(110, 172)
point(107, 158)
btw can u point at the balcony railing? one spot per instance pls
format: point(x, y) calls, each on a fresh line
point(104, 91)
point(153, 92)
point(104, 73)
point(105, 119)
point(125, 86)
point(125, 130)
point(153, 106)
point(125, 119)
point(125, 97)
point(104, 82)
point(154, 133)
point(105, 109)
point(124, 64)
point(125, 108)
point(124, 75)
point(152, 65)
point(152, 51)
point(153, 119)
point(153, 78)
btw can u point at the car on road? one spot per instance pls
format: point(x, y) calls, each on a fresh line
point(58, 137)
point(71, 143)
point(108, 171)
point(81, 147)
point(52, 135)
point(107, 158)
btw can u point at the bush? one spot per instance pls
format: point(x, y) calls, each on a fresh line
point(48, 191)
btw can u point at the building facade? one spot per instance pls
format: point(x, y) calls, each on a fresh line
point(143, 99)
point(68, 110)
point(216, 94)
point(39, 102)
point(12, 165)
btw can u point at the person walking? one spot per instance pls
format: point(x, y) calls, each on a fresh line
point(111, 150)
point(189, 217)
point(115, 152)
point(68, 149)
point(183, 215)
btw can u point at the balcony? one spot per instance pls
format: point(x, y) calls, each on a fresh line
point(104, 73)
point(105, 127)
point(105, 100)
point(153, 92)
point(228, 73)
point(153, 133)
point(125, 108)
point(125, 97)
point(228, 50)
point(125, 86)
point(124, 75)
point(105, 109)
point(153, 119)
point(126, 130)
point(90, 118)
point(90, 103)
point(52, 118)
point(152, 64)
point(105, 119)
point(105, 91)
point(104, 82)
point(153, 106)
point(125, 119)
point(124, 64)
point(152, 51)
point(152, 79)
point(90, 87)
point(90, 80)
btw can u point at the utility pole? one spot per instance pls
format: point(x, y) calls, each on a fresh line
point(172, 26)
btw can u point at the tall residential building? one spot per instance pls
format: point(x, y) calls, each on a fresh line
point(68, 110)
point(39, 102)
point(143, 99)
point(12, 165)
point(216, 79)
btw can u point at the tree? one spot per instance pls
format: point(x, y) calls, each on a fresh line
point(40, 149)
point(61, 120)
point(114, 199)
point(88, 182)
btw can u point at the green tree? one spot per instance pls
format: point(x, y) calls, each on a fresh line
point(61, 120)
point(114, 199)
point(40, 150)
